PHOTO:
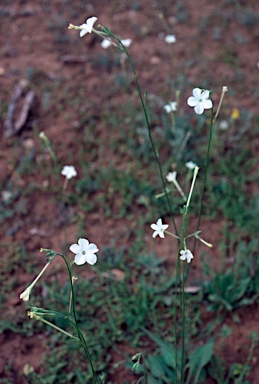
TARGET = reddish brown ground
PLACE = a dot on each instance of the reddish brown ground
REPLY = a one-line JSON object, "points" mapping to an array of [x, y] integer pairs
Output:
{"points": [[34, 39]]}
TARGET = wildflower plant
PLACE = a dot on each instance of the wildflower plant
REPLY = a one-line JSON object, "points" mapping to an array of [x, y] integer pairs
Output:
{"points": [[200, 101], [85, 252]]}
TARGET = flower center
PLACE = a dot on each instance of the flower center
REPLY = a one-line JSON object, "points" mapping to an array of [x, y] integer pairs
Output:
{"points": [[83, 252]]}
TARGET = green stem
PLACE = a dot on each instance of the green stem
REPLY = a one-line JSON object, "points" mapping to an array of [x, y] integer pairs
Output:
{"points": [[177, 270], [183, 326], [80, 335], [148, 127], [54, 326], [205, 177]]}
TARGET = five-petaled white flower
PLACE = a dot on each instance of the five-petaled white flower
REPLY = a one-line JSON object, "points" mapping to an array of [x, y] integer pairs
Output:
{"points": [[190, 165], [170, 39], [84, 252], [200, 100], [159, 228], [69, 171], [106, 43], [126, 42], [186, 255], [171, 177], [171, 107], [88, 26]]}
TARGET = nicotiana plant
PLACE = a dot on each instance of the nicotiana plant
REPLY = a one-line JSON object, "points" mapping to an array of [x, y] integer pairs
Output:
{"points": [[85, 252]]}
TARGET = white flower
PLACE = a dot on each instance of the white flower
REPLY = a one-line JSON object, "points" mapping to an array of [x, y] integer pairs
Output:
{"points": [[106, 43], [126, 42], [172, 106], [69, 171], [171, 177], [6, 195], [200, 100], [224, 89], [186, 255], [223, 125], [26, 294], [87, 28], [84, 252], [159, 228], [170, 39], [190, 165]]}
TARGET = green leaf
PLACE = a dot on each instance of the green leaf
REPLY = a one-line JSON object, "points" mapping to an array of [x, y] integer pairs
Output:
{"points": [[168, 350], [198, 359], [156, 365], [218, 299], [152, 380], [242, 287]]}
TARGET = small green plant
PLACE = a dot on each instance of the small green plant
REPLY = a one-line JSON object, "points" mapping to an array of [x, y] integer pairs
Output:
{"points": [[228, 292], [163, 369]]}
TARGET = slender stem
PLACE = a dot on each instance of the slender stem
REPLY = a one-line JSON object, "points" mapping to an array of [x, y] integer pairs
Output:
{"points": [[196, 170], [224, 90], [177, 270], [80, 335], [183, 294], [205, 177], [164, 189], [184, 274], [171, 234], [162, 179], [183, 325], [54, 326], [173, 122], [40, 274], [148, 127]]}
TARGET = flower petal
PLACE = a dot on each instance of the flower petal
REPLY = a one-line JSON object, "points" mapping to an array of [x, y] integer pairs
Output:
{"points": [[90, 22], [199, 108], [196, 93], [75, 248], [83, 244], [126, 42], [83, 32], [205, 95], [80, 259], [92, 248], [91, 258], [207, 104], [106, 43], [192, 101]]}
